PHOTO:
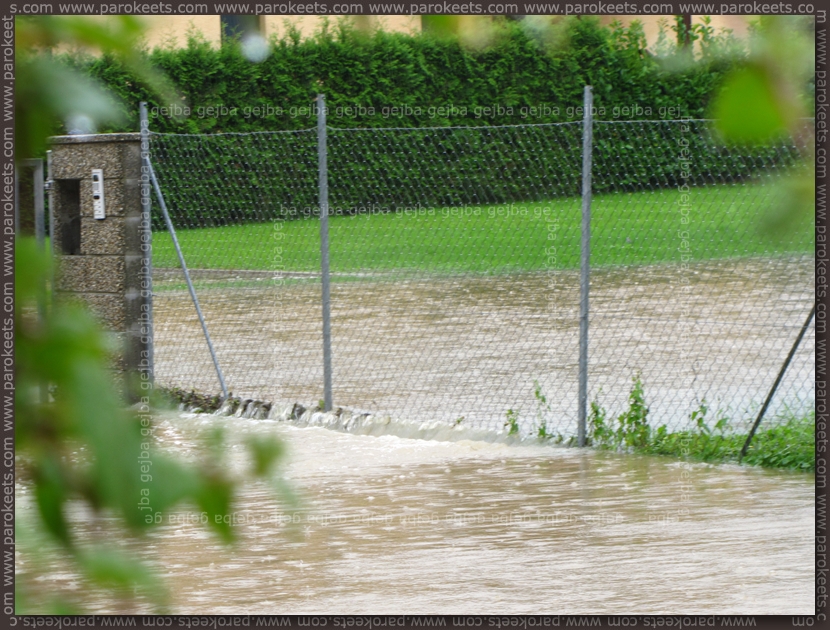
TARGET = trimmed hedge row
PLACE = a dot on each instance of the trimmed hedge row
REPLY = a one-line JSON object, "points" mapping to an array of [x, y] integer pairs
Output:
{"points": [[399, 80]]}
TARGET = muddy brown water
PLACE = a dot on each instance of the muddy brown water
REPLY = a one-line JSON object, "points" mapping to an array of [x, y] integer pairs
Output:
{"points": [[428, 348], [394, 525]]}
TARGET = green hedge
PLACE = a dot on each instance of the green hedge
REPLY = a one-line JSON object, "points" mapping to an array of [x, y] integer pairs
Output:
{"points": [[364, 76]]}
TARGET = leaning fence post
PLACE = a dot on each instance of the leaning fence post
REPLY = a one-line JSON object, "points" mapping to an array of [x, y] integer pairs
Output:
{"points": [[777, 382], [147, 168], [323, 181], [585, 263], [188, 281]]}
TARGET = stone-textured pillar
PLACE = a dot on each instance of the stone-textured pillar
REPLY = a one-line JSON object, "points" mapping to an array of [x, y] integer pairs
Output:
{"points": [[100, 260]]}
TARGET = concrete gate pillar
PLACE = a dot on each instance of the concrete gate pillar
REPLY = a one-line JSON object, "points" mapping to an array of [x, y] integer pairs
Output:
{"points": [[101, 240]]}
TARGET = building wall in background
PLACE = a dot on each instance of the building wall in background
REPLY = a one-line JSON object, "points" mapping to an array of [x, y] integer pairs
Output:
{"points": [[739, 24], [173, 29]]}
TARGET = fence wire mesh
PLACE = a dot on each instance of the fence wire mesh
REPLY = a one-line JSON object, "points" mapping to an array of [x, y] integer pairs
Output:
{"points": [[454, 268]]}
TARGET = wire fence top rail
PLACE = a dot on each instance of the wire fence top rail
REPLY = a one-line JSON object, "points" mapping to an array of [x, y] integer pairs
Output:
{"points": [[469, 127], [235, 133]]}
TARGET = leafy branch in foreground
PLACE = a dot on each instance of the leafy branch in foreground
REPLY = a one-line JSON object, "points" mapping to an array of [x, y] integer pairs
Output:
{"points": [[79, 448], [51, 94]]}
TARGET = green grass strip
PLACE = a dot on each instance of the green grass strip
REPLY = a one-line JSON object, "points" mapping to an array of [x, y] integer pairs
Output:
{"points": [[659, 226], [787, 441], [790, 445]]}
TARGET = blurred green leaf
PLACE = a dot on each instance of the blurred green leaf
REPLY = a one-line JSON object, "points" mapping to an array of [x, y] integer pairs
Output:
{"points": [[795, 208], [168, 483], [34, 268], [474, 31], [112, 569], [264, 451], [50, 495], [50, 94], [215, 498], [766, 99], [215, 441], [442, 25], [80, 443], [746, 108]]}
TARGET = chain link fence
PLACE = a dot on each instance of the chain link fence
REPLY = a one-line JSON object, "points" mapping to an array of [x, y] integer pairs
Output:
{"points": [[454, 258]]}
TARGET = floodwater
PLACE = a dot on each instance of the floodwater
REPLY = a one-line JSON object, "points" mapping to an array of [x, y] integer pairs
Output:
{"points": [[427, 348], [393, 525]]}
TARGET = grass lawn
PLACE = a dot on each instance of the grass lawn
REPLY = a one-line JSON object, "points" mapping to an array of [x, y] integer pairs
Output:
{"points": [[627, 228]]}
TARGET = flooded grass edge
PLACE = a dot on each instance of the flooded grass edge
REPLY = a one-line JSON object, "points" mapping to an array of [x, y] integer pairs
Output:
{"points": [[789, 444]]}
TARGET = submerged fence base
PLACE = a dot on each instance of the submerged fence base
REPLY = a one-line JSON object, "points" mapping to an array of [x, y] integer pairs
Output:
{"points": [[348, 421], [791, 446]]}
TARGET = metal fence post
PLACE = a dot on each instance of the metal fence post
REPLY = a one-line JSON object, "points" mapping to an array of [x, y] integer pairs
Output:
{"points": [[40, 207], [585, 263], [48, 188], [323, 181], [147, 232], [40, 239]]}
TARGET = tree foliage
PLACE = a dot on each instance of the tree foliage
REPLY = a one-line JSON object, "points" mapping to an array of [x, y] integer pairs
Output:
{"points": [[78, 447]]}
